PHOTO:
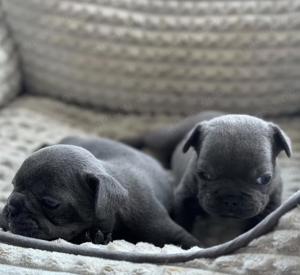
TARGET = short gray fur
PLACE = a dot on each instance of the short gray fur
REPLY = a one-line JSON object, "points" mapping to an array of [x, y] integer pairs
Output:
{"points": [[236, 150], [105, 190]]}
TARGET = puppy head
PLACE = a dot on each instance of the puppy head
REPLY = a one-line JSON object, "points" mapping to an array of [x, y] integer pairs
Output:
{"points": [[235, 167], [56, 191]]}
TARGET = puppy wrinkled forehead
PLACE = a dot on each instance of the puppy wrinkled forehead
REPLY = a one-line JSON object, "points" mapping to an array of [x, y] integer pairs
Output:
{"points": [[40, 175], [59, 155], [240, 133], [52, 164], [239, 141], [63, 152], [239, 124]]}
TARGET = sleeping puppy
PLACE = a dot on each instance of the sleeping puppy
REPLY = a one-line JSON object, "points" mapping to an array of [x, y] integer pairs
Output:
{"points": [[93, 190], [226, 170]]}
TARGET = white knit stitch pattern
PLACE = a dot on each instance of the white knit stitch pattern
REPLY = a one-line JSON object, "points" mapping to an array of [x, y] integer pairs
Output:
{"points": [[9, 70], [162, 56], [32, 121]]}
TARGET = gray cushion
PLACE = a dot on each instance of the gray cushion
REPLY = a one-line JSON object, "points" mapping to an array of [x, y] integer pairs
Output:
{"points": [[162, 56], [275, 253], [9, 69]]}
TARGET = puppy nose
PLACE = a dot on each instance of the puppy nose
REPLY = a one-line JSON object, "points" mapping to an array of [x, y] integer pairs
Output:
{"points": [[231, 201], [15, 204]]}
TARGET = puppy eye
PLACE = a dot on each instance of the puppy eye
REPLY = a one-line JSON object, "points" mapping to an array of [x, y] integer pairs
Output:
{"points": [[264, 179], [50, 203], [205, 176]]}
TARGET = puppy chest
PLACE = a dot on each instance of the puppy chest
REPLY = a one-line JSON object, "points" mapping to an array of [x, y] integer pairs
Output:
{"points": [[212, 230]]}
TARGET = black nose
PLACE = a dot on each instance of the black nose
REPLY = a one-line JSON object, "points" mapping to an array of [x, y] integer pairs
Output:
{"points": [[231, 202], [15, 204]]}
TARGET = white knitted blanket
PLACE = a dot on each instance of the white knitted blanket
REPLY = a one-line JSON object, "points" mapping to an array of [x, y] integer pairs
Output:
{"points": [[9, 69], [162, 56], [30, 121]]}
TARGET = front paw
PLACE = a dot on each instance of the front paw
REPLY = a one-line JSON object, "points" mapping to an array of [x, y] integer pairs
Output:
{"points": [[97, 237], [108, 238], [3, 219]]}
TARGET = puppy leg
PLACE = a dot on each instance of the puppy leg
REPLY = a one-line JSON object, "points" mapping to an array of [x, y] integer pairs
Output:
{"points": [[157, 227], [165, 231], [185, 212], [102, 234], [186, 206]]}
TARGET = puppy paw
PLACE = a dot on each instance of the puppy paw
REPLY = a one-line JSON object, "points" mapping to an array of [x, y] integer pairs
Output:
{"points": [[98, 238], [108, 238], [87, 237]]}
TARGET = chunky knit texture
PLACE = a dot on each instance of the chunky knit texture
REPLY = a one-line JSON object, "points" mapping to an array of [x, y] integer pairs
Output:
{"points": [[9, 70], [32, 121], [162, 56]]}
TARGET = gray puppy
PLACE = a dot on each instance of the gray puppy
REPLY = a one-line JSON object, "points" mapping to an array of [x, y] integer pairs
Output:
{"points": [[93, 190], [226, 169]]}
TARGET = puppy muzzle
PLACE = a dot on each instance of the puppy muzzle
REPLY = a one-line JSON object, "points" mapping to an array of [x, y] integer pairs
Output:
{"points": [[18, 217], [238, 205]]}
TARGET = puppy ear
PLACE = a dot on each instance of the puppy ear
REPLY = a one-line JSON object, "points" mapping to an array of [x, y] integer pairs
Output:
{"points": [[109, 194], [194, 139], [281, 140]]}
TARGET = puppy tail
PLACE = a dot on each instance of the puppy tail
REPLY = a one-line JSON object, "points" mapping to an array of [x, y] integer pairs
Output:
{"points": [[43, 145], [163, 142], [160, 143]]}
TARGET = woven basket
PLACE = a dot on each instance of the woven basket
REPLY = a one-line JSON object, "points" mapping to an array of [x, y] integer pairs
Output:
{"points": [[162, 56], [9, 69]]}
